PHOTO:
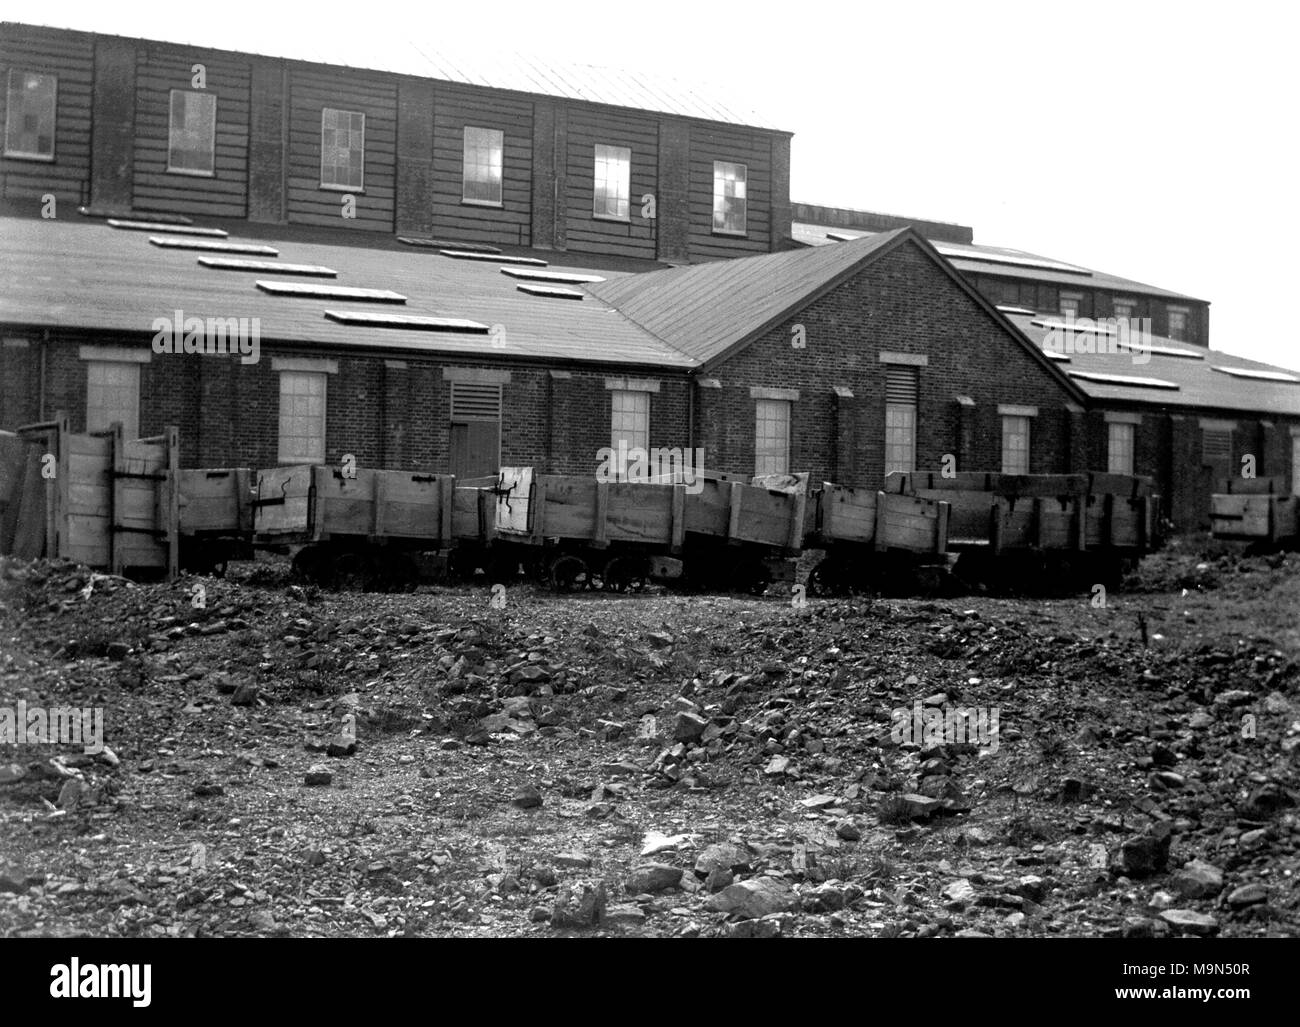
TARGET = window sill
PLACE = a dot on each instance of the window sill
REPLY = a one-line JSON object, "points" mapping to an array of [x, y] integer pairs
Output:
{"points": [[357, 190], [44, 158], [729, 234], [191, 173], [497, 204], [626, 220]]}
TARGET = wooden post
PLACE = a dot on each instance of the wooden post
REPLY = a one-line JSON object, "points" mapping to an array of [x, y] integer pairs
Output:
{"points": [[678, 527], [378, 496], [537, 507], [733, 524], [171, 486], [116, 468], [995, 526], [446, 509], [1107, 521], [600, 529], [56, 530], [941, 529], [796, 528], [1039, 525], [880, 543]]}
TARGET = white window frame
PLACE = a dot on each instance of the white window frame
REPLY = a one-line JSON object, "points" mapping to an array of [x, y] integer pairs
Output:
{"points": [[629, 419], [1186, 330], [612, 181], [1126, 301], [1073, 298], [296, 418], [1014, 427], [209, 99], [900, 437], [329, 156], [100, 413], [11, 108], [1121, 446], [772, 419], [730, 194], [479, 141]]}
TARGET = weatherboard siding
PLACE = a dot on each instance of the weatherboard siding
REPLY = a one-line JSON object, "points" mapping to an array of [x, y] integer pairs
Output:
{"points": [[71, 57], [455, 107], [721, 143], [587, 128], [161, 69], [311, 89]]}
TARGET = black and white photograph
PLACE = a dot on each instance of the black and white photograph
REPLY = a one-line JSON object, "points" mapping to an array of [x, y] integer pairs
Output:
{"points": [[477, 475]]}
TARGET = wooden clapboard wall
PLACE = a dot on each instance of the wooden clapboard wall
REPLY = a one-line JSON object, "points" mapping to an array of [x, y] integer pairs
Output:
{"points": [[313, 88], [711, 143], [587, 127], [70, 56], [160, 69], [454, 107]]}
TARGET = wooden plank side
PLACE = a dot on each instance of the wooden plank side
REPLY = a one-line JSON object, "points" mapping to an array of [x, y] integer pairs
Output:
{"points": [[135, 503], [848, 513], [214, 499], [514, 494], [908, 523], [290, 484], [28, 537]]}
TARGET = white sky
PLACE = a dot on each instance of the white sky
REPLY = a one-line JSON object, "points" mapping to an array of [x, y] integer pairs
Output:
{"points": [[1157, 141]]}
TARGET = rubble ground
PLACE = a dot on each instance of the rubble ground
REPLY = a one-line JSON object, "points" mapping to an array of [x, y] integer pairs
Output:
{"points": [[282, 760]]}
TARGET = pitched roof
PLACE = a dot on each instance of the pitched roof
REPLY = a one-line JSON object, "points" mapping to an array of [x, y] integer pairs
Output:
{"points": [[1001, 260], [478, 65], [706, 309], [1191, 379], [80, 273]]}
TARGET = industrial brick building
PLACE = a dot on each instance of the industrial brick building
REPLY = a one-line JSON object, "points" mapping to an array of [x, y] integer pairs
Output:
{"points": [[530, 276]]}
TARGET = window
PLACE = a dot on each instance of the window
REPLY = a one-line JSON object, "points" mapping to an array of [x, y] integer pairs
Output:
{"points": [[302, 417], [113, 394], [483, 150], [342, 149], [629, 420], [613, 187], [1015, 444], [191, 138], [1119, 458], [729, 197], [1178, 323], [1124, 308], [29, 122], [901, 390], [1069, 304], [772, 436], [1216, 450]]}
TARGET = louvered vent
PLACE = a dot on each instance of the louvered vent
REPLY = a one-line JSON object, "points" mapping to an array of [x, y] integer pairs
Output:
{"points": [[900, 384], [470, 402]]}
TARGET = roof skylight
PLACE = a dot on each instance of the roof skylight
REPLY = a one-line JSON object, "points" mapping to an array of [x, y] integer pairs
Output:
{"points": [[411, 322], [212, 246], [157, 226], [549, 276], [551, 291], [1258, 375], [267, 267], [1130, 381], [310, 290], [495, 257]]}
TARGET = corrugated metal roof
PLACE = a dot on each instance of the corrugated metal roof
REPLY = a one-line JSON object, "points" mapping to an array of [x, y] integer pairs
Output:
{"points": [[705, 309], [81, 274], [486, 65], [1199, 384], [1002, 260]]}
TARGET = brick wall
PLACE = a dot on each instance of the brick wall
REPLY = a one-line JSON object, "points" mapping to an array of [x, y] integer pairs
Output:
{"points": [[902, 303]]}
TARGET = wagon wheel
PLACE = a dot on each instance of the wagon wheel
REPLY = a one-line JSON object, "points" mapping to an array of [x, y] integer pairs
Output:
{"points": [[625, 574], [753, 578], [825, 581], [569, 573]]}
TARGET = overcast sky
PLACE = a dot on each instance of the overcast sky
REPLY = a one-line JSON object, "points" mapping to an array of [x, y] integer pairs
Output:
{"points": [[1152, 140]]}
